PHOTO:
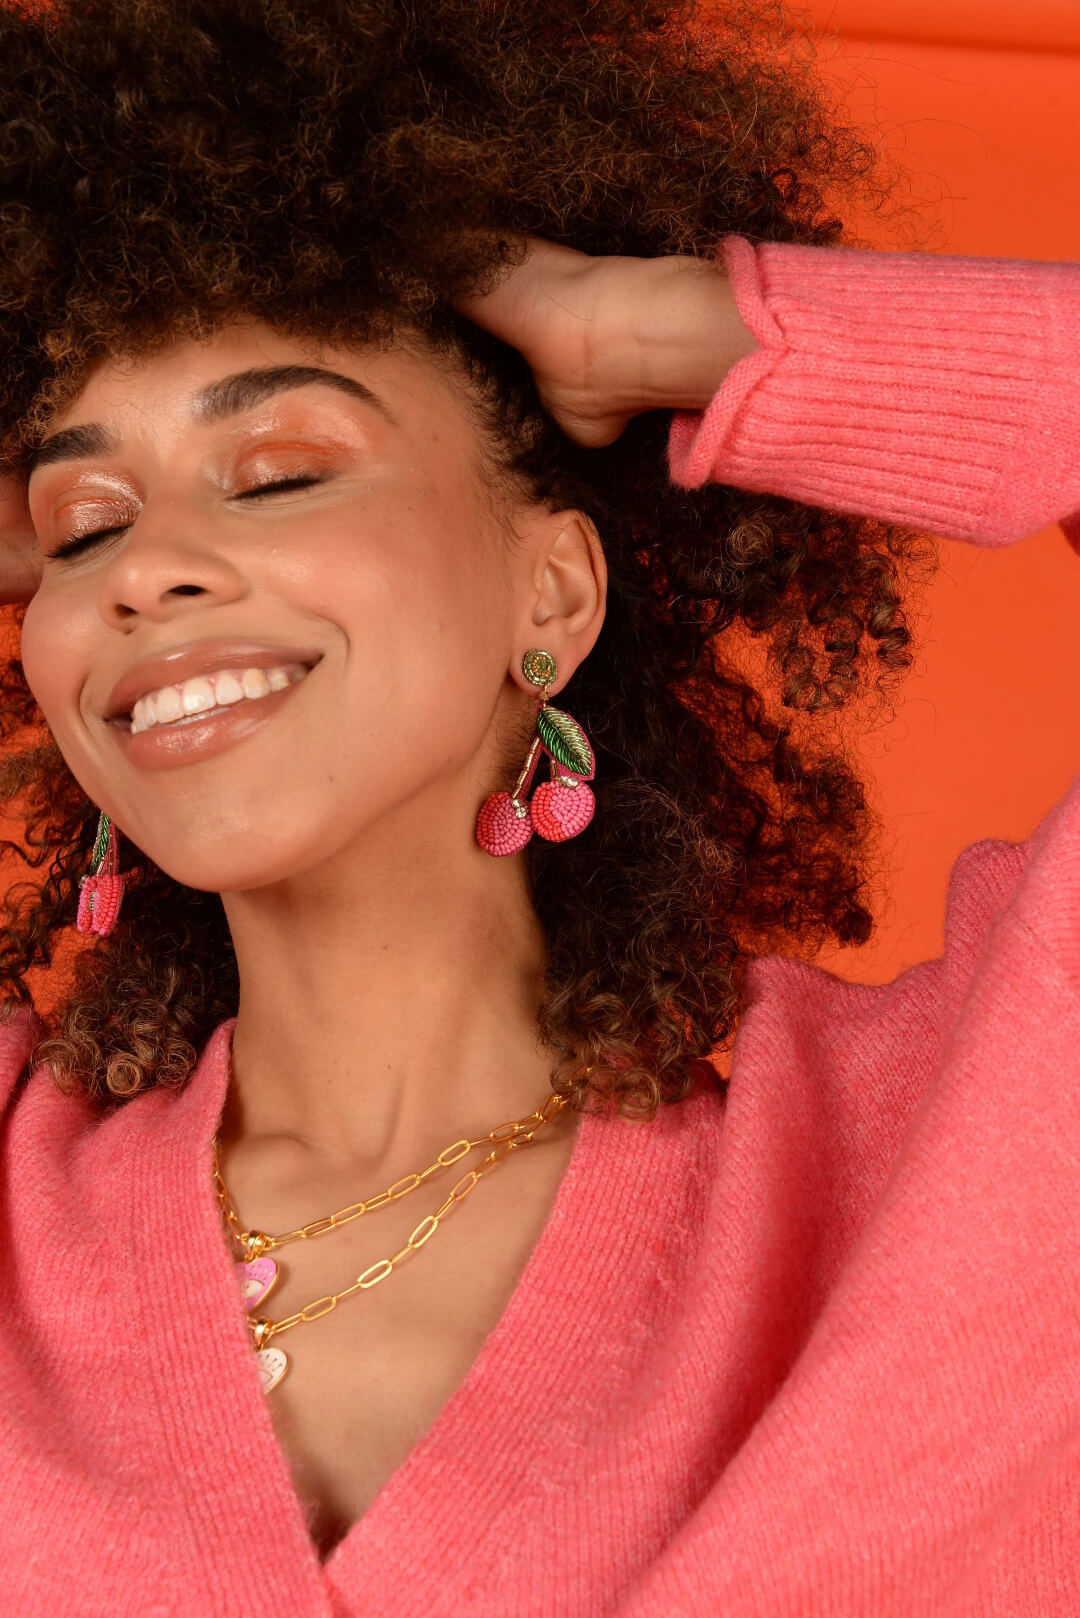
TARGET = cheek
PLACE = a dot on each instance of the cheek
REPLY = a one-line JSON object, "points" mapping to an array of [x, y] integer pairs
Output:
{"points": [[424, 614], [56, 663], [52, 661]]}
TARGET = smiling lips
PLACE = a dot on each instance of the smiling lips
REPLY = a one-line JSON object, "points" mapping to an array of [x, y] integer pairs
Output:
{"points": [[204, 693], [209, 659], [215, 723]]}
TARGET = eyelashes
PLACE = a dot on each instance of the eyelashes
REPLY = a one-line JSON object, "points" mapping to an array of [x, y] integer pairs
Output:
{"points": [[301, 481], [83, 542], [78, 543]]}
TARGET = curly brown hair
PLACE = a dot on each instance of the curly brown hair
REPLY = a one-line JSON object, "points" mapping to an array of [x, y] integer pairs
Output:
{"points": [[164, 167]]}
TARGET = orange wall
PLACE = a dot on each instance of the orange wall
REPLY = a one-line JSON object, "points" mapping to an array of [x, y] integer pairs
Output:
{"points": [[984, 735], [1052, 25]]}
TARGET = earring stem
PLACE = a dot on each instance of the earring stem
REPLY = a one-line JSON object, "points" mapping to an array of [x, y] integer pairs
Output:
{"points": [[527, 768]]}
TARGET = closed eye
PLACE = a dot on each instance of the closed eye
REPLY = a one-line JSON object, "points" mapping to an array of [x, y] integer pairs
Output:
{"points": [[279, 486], [82, 542]]}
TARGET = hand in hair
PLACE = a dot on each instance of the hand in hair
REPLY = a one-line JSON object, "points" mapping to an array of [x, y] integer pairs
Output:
{"points": [[20, 554], [609, 337]]}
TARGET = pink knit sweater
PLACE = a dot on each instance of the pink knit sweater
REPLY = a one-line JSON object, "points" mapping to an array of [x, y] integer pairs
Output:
{"points": [[814, 1350]]}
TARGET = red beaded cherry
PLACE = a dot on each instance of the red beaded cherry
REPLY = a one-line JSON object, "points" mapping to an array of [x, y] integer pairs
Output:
{"points": [[562, 808], [99, 903], [101, 891], [503, 825]]}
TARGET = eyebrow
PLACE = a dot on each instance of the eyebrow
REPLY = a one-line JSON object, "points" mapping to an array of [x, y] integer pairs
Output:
{"points": [[229, 396]]}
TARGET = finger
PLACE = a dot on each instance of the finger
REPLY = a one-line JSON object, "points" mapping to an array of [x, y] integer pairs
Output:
{"points": [[521, 248]]}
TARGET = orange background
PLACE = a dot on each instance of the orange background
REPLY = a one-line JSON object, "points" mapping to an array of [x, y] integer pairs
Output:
{"points": [[977, 100]]}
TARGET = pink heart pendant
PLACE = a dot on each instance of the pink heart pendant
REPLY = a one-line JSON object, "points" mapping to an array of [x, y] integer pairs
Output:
{"points": [[503, 825], [562, 808], [256, 1277]]}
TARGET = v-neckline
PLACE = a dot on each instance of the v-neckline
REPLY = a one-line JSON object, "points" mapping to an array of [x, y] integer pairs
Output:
{"points": [[519, 1353]]}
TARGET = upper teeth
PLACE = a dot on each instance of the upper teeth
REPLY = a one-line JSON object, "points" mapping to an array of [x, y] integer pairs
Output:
{"points": [[205, 691]]}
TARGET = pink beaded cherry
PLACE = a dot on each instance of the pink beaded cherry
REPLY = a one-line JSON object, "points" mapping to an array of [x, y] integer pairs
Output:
{"points": [[561, 807], [100, 892]]}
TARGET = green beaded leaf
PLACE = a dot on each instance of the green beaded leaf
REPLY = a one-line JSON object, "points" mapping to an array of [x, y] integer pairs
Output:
{"points": [[101, 844], [565, 740]]}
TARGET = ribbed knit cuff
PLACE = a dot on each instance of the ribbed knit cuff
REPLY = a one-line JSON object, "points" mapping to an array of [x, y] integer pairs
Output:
{"points": [[937, 391]]}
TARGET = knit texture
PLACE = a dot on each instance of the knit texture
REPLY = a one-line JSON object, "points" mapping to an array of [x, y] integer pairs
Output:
{"points": [[935, 391], [809, 1351]]}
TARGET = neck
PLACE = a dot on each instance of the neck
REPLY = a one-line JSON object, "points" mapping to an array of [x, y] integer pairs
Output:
{"points": [[386, 1007]]}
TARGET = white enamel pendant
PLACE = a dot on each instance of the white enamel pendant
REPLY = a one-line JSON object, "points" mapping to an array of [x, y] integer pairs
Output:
{"points": [[273, 1363]]}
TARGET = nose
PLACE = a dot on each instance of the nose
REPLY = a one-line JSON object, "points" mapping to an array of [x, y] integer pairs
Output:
{"points": [[166, 565]]}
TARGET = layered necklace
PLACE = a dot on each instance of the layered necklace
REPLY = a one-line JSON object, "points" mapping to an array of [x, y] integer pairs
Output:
{"points": [[258, 1272]]}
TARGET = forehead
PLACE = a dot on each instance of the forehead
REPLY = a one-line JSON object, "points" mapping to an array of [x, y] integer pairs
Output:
{"points": [[196, 382]]}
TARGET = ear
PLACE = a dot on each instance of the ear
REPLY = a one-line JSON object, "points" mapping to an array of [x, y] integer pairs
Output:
{"points": [[567, 593]]}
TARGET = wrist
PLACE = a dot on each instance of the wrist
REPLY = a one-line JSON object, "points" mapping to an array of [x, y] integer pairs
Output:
{"points": [[685, 333]]}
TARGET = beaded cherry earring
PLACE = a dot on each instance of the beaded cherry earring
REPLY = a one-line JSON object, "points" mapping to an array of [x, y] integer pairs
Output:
{"points": [[100, 892], [561, 807]]}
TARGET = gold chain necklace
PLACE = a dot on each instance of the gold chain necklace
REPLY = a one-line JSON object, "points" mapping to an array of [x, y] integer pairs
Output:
{"points": [[258, 1273]]}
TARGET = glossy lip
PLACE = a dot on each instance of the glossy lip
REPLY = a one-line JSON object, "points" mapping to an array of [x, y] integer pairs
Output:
{"points": [[199, 657], [200, 736]]}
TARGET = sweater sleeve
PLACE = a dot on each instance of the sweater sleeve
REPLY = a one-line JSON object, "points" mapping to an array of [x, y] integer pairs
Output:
{"points": [[943, 393], [938, 392]]}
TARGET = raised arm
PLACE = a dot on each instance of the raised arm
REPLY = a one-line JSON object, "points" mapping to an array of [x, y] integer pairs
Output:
{"points": [[941, 392]]}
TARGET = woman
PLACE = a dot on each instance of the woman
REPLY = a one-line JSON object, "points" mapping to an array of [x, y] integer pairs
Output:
{"points": [[409, 413]]}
